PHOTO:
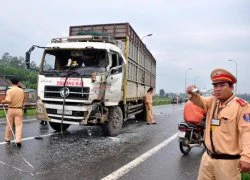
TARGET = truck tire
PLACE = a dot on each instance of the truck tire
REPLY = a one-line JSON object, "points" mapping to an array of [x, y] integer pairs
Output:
{"points": [[57, 126], [114, 125]]}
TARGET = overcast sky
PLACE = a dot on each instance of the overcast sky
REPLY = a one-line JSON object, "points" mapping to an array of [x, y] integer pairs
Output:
{"points": [[197, 34]]}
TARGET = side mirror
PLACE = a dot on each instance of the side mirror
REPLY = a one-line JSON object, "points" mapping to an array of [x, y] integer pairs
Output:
{"points": [[27, 56]]}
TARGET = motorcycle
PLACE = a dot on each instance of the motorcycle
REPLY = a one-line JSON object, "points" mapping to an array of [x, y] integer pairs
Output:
{"points": [[190, 135]]}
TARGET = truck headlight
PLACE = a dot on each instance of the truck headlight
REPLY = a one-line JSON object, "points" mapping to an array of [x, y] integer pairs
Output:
{"points": [[93, 77]]}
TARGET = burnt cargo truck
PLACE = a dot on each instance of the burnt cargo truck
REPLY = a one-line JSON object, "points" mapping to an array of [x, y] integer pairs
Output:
{"points": [[96, 76]]}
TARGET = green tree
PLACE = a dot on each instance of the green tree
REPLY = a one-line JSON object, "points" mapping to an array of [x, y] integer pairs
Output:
{"points": [[162, 93], [15, 66]]}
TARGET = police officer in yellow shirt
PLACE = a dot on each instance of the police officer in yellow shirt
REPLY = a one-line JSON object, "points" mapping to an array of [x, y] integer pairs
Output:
{"points": [[15, 99], [227, 134], [148, 99]]}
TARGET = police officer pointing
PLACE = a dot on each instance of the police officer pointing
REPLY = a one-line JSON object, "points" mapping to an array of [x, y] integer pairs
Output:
{"points": [[15, 99], [227, 134]]}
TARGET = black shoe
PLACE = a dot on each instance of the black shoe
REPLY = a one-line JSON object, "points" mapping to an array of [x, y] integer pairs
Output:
{"points": [[154, 123], [148, 124], [19, 145], [7, 142]]}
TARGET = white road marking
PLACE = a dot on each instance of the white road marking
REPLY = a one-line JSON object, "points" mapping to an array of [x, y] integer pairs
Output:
{"points": [[16, 168], [126, 168], [29, 138]]}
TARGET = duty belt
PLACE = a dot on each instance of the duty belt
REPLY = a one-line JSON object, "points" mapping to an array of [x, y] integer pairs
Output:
{"points": [[222, 156]]}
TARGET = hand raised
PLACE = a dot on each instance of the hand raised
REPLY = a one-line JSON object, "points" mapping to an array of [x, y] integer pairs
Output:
{"points": [[190, 89]]}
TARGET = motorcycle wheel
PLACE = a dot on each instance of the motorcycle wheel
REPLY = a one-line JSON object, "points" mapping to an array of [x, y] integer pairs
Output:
{"points": [[184, 148]]}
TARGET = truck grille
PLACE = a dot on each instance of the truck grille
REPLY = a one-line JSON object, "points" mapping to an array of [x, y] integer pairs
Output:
{"points": [[78, 93]]}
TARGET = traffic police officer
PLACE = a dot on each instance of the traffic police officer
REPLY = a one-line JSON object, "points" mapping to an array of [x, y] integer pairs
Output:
{"points": [[227, 134], [15, 99], [149, 106]]}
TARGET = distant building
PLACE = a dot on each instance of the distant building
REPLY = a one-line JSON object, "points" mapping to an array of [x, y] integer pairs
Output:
{"points": [[30, 94], [4, 83]]}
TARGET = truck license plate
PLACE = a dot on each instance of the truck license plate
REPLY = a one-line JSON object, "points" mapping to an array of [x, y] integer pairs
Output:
{"points": [[66, 112], [181, 134]]}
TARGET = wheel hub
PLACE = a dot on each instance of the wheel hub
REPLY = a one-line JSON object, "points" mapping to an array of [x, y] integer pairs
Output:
{"points": [[116, 121]]}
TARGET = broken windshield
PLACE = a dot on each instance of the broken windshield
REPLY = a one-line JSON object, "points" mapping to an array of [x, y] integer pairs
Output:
{"points": [[82, 61]]}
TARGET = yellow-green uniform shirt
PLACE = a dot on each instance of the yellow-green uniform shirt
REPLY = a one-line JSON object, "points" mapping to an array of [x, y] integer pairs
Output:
{"points": [[15, 97], [232, 136], [148, 99]]}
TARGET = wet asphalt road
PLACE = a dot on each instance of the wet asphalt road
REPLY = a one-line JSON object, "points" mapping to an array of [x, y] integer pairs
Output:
{"points": [[84, 153]]}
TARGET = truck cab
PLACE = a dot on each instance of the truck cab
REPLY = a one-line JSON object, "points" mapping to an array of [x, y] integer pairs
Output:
{"points": [[96, 76], [79, 78]]}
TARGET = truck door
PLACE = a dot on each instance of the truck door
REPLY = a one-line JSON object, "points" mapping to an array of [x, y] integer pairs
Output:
{"points": [[114, 90]]}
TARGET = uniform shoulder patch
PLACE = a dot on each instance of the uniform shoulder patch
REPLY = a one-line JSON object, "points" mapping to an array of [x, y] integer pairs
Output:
{"points": [[246, 117], [242, 102]]}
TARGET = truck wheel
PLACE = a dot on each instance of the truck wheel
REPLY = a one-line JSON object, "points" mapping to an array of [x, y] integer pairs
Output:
{"points": [[114, 125], [57, 126]]}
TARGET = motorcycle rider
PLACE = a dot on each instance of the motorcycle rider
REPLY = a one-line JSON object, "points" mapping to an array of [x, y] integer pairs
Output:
{"points": [[194, 114]]}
